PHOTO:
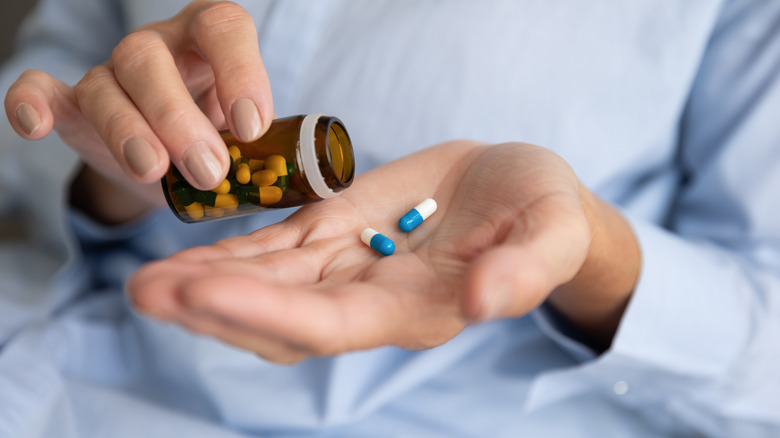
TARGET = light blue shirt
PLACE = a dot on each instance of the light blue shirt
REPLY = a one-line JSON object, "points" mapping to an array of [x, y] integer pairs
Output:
{"points": [[668, 109]]}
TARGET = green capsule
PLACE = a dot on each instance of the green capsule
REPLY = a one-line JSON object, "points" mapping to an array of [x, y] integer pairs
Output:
{"points": [[290, 169], [176, 173], [259, 195], [233, 184], [205, 197], [248, 195], [283, 182], [182, 190]]}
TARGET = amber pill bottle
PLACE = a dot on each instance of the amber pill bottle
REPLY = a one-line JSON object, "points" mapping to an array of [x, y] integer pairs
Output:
{"points": [[299, 160]]}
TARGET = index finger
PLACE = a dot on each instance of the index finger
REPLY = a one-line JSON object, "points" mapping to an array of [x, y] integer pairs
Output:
{"points": [[226, 36], [162, 65]]}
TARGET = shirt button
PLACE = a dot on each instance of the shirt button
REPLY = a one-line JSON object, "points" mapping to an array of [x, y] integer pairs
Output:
{"points": [[620, 387]]}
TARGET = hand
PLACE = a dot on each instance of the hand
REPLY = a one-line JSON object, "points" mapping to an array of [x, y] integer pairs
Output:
{"points": [[513, 225], [161, 97]]}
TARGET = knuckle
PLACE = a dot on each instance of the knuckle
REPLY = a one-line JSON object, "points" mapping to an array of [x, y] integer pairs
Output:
{"points": [[29, 81], [135, 48], [33, 76], [93, 81], [240, 70], [118, 123], [223, 15], [169, 115]]}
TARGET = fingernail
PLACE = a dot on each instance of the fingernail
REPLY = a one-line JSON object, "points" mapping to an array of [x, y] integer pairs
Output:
{"points": [[203, 165], [29, 119], [246, 119], [140, 155], [496, 300]]}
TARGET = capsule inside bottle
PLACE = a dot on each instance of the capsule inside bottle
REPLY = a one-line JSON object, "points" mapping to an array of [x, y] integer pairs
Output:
{"points": [[299, 160]]}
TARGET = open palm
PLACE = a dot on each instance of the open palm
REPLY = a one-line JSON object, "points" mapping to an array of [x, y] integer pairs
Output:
{"points": [[509, 229]]}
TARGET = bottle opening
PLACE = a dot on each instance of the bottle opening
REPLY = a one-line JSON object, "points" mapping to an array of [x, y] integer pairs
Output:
{"points": [[340, 153]]}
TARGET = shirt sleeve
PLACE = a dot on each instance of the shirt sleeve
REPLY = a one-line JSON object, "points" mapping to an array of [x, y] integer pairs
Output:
{"points": [[63, 38], [698, 347]]}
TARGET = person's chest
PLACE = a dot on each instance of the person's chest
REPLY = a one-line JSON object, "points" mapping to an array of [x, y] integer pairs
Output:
{"points": [[601, 83]]}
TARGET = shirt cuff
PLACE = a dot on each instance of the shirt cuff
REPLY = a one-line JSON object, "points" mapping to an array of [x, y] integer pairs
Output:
{"points": [[89, 231], [686, 323]]}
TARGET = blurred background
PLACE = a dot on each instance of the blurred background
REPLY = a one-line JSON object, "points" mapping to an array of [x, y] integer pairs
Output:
{"points": [[13, 11]]}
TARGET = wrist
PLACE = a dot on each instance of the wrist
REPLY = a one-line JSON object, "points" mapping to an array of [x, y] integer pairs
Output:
{"points": [[104, 200], [595, 299]]}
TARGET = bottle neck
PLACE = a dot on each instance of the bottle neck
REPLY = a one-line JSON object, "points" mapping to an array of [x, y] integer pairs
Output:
{"points": [[325, 153]]}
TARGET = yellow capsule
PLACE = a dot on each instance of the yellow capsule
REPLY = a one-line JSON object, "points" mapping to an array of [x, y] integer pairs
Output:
{"points": [[213, 211], [227, 202], [195, 210], [243, 175], [255, 165], [270, 195], [276, 163], [234, 152], [223, 188], [264, 177]]}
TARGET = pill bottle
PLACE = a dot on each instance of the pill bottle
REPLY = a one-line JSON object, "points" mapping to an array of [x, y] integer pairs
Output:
{"points": [[299, 160]]}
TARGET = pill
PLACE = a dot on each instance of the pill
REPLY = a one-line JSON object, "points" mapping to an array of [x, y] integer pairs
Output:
{"points": [[235, 152], [176, 173], [283, 182], [264, 177], [213, 211], [259, 195], [270, 195], [255, 165], [195, 210], [243, 174], [290, 169], [378, 242], [276, 163], [205, 197], [223, 187], [417, 215], [227, 202], [182, 190]]}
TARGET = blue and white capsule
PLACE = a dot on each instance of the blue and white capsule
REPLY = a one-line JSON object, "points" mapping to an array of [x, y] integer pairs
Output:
{"points": [[378, 242], [417, 215]]}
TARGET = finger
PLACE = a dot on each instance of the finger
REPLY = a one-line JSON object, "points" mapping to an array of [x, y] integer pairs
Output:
{"points": [[160, 289], [266, 347], [517, 275], [155, 288], [123, 129], [334, 317], [190, 139], [309, 319], [286, 267], [226, 36], [36, 101], [268, 239], [209, 104], [154, 291]]}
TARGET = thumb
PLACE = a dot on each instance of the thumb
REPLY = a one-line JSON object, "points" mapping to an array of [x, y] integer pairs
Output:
{"points": [[542, 250], [36, 101]]}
